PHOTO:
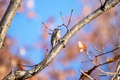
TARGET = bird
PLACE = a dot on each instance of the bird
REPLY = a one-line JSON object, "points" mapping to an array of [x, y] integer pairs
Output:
{"points": [[55, 36]]}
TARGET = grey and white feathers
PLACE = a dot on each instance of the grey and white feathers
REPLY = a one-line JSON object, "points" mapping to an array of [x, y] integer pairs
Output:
{"points": [[55, 36]]}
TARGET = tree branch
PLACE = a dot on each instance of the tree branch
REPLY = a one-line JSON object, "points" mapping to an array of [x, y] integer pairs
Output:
{"points": [[24, 74], [7, 19], [117, 76], [86, 75]]}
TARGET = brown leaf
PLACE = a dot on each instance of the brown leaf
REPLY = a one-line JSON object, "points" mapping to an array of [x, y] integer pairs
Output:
{"points": [[115, 58]]}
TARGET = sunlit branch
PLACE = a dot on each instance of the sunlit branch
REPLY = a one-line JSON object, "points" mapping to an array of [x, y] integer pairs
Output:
{"points": [[115, 58], [103, 46], [68, 21], [103, 53], [97, 49], [107, 52], [46, 55], [70, 18], [95, 57], [99, 64], [46, 26], [116, 76], [85, 61], [7, 19], [26, 65], [86, 74], [118, 42], [62, 17]]}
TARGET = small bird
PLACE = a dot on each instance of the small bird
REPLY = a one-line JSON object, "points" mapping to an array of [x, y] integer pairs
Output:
{"points": [[55, 36]]}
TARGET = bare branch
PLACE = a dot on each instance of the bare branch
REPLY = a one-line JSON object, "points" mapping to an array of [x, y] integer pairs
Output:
{"points": [[7, 19], [85, 61], [98, 65], [105, 2], [25, 74], [118, 44], [101, 2], [97, 49], [26, 65], [68, 22], [103, 49], [70, 18], [86, 74], [46, 55], [117, 76], [102, 6], [115, 58], [107, 52], [103, 46], [62, 17], [47, 27]]}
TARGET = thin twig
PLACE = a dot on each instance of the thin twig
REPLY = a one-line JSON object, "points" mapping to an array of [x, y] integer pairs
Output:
{"points": [[26, 65], [103, 6], [95, 64], [85, 61], [62, 20], [68, 22], [70, 18], [7, 19], [86, 75], [97, 49], [107, 52], [100, 2], [103, 46], [105, 2], [62, 17], [88, 72], [92, 53], [118, 44], [95, 57], [47, 27], [46, 55], [116, 76]]}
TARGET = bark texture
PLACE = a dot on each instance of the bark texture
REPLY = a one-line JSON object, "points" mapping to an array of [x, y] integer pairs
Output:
{"points": [[7, 19]]}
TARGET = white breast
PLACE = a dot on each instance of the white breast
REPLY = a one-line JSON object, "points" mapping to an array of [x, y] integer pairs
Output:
{"points": [[58, 34]]}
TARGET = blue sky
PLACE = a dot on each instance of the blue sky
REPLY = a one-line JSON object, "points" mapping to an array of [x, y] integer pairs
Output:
{"points": [[27, 31]]}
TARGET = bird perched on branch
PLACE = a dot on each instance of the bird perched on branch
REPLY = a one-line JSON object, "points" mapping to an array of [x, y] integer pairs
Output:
{"points": [[55, 36]]}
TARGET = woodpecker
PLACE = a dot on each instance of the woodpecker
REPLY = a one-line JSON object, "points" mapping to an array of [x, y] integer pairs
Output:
{"points": [[55, 36]]}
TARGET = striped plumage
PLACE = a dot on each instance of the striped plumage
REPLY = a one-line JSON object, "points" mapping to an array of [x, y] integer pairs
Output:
{"points": [[55, 36]]}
